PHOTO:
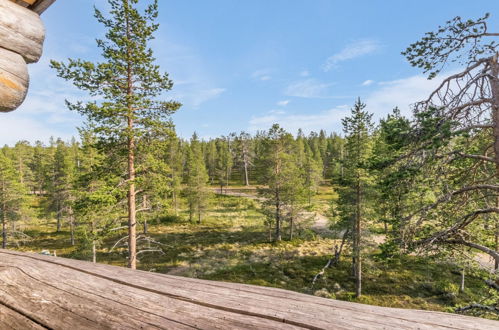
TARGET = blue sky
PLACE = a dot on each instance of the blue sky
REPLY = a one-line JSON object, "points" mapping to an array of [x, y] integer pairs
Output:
{"points": [[245, 64]]}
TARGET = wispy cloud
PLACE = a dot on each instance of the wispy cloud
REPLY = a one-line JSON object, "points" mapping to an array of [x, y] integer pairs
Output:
{"points": [[283, 103], [368, 82], [309, 88], [350, 52], [305, 73], [205, 95], [400, 93], [329, 119], [262, 75]]}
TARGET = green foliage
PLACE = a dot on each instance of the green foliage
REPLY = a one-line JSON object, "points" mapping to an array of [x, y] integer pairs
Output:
{"points": [[196, 190], [445, 45]]}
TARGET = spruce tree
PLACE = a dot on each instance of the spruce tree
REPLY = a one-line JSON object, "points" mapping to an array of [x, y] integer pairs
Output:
{"points": [[129, 85]]}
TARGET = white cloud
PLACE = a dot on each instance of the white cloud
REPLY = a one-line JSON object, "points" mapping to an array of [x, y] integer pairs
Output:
{"points": [[262, 75], [400, 93], [350, 52], [305, 73], [16, 127], [283, 103], [329, 119], [310, 88], [368, 82]]}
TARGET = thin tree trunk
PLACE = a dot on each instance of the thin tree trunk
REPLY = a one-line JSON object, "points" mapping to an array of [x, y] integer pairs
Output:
{"points": [[461, 287], [291, 228], [175, 203], [94, 243], [246, 178], [277, 218], [72, 229], [59, 212], [132, 222], [358, 261], [94, 252]]}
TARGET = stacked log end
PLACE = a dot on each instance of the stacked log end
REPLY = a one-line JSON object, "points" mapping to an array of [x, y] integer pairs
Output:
{"points": [[21, 42]]}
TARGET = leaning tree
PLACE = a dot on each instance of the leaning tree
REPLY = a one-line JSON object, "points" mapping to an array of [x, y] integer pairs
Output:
{"points": [[456, 140]]}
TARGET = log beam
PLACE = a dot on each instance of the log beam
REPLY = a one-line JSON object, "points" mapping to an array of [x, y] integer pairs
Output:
{"points": [[21, 31], [14, 80]]}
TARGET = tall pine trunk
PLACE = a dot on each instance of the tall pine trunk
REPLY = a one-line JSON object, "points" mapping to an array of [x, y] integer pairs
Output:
{"points": [[132, 222], [357, 241]]}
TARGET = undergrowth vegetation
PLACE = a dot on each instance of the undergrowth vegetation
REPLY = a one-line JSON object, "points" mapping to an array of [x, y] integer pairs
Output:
{"points": [[232, 245]]}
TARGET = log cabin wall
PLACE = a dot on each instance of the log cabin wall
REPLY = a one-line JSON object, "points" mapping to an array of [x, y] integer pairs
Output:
{"points": [[21, 42]]}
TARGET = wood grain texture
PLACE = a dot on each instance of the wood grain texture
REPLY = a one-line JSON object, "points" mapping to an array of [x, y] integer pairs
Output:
{"points": [[61, 293], [14, 80], [21, 31]]}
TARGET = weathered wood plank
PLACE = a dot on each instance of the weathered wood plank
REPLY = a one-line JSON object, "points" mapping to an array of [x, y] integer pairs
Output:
{"points": [[21, 31], [14, 80], [10, 319], [108, 295]]}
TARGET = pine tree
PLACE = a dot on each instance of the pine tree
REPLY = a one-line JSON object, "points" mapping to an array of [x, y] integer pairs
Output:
{"points": [[245, 154], [312, 173], [281, 177], [357, 128], [129, 83], [224, 161], [197, 178], [62, 188], [96, 206]]}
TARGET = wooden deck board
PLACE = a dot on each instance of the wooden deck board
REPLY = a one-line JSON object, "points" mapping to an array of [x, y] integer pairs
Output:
{"points": [[61, 293]]}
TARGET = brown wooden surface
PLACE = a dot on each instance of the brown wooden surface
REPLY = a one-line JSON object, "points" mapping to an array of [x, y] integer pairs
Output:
{"points": [[41, 5], [46, 292]]}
